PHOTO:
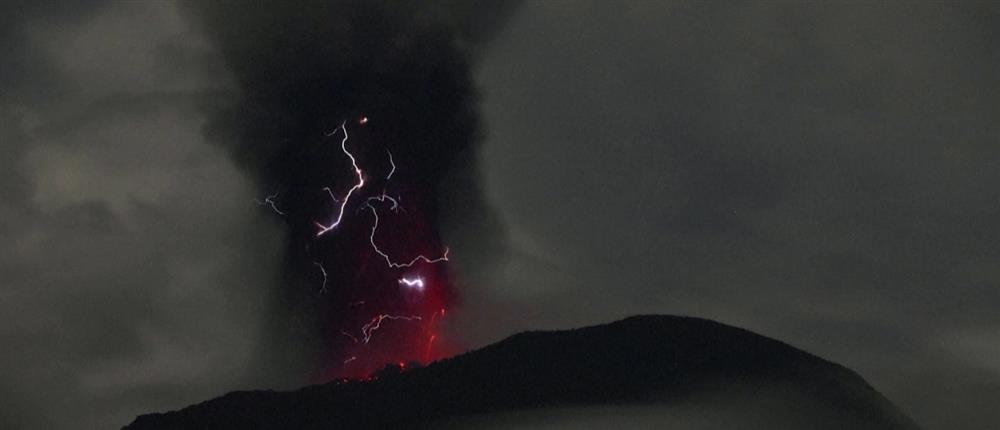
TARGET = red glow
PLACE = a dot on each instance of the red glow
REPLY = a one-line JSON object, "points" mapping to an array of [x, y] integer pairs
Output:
{"points": [[430, 343], [394, 243]]}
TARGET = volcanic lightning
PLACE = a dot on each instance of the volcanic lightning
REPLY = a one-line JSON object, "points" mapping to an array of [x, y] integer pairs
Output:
{"points": [[323, 271], [361, 182], [269, 201], [388, 260], [417, 283], [391, 163], [376, 322], [351, 336], [371, 202], [395, 203]]}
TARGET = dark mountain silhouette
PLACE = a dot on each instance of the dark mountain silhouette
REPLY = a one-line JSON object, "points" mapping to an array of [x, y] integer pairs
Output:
{"points": [[656, 362]]}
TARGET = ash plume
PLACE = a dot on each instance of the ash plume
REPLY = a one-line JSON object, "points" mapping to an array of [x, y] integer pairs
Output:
{"points": [[404, 70]]}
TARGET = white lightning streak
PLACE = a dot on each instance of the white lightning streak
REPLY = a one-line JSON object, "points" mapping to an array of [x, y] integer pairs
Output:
{"points": [[382, 198], [330, 192], [361, 182], [376, 322], [393, 164], [388, 260], [269, 201], [323, 270], [416, 282]]}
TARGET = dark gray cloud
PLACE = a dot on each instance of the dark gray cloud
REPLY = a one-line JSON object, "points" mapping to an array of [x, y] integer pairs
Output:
{"points": [[133, 255], [825, 174]]}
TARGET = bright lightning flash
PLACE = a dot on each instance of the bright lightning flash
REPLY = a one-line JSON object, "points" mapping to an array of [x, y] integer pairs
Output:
{"points": [[410, 282], [417, 283], [361, 182]]}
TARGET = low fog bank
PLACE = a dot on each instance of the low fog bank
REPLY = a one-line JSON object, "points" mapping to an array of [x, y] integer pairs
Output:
{"points": [[779, 406]]}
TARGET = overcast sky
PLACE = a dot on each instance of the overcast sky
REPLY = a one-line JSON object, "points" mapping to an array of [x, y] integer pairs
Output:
{"points": [[824, 175]]}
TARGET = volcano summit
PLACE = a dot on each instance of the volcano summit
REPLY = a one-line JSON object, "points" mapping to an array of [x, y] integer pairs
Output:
{"points": [[640, 372]]}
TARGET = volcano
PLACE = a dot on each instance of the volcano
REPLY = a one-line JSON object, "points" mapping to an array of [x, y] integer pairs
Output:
{"points": [[640, 372]]}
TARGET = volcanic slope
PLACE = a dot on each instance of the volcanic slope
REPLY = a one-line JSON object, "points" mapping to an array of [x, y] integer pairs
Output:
{"points": [[640, 372]]}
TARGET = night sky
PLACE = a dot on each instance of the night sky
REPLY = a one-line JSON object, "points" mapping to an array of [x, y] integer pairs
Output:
{"points": [[826, 175]]}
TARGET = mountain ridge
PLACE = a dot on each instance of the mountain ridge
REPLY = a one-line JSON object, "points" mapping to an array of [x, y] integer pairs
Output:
{"points": [[639, 360]]}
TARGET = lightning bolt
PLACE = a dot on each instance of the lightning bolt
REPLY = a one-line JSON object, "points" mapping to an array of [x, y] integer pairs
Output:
{"points": [[269, 201], [415, 282], [323, 271], [369, 201], [349, 335], [343, 203], [391, 163], [388, 260], [382, 198], [368, 329]]}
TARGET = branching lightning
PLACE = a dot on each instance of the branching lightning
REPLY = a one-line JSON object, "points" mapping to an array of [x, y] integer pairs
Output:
{"points": [[372, 202], [361, 182], [269, 201], [381, 198], [376, 322], [388, 260]]}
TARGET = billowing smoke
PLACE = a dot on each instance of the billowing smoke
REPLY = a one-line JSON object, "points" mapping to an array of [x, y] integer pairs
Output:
{"points": [[395, 79]]}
